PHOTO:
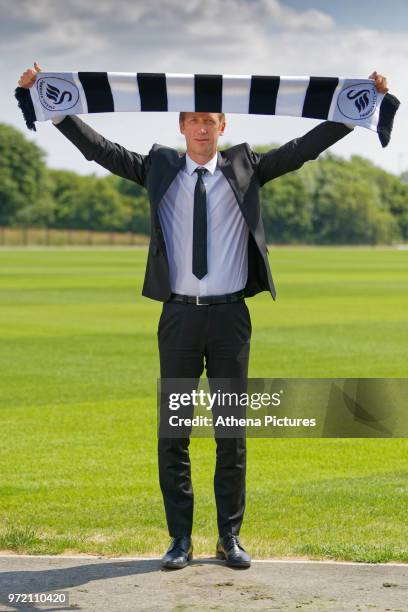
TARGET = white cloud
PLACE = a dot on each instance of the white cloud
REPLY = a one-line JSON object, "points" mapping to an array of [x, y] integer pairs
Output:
{"points": [[289, 19], [78, 28]]}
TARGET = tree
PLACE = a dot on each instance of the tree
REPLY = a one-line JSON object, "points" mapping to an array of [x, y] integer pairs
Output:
{"points": [[135, 204], [327, 201], [349, 206], [24, 191], [286, 210], [86, 202]]}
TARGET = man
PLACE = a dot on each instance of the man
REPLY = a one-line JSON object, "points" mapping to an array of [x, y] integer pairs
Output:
{"points": [[207, 253]]}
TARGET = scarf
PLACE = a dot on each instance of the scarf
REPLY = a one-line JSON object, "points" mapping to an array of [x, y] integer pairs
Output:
{"points": [[344, 100]]}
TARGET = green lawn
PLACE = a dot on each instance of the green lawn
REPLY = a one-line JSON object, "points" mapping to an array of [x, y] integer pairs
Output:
{"points": [[79, 364]]}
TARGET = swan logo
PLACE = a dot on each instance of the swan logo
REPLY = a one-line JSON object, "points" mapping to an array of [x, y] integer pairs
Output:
{"points": [[57, 94], [357, 101]]}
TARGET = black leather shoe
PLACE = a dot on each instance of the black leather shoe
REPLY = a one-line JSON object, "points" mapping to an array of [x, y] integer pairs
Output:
{"points": [[230, 548], [179, 553]]}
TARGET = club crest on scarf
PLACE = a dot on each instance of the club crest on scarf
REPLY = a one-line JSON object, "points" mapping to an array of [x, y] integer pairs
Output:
{"points": [[358, 101], [57, 94]]}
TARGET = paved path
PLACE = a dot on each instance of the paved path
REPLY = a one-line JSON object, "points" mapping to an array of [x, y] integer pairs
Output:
{"points": [[122, 584]]}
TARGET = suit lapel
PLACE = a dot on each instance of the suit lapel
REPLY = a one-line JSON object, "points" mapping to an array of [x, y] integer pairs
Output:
{"points": [[226, 168], [167, 178]]}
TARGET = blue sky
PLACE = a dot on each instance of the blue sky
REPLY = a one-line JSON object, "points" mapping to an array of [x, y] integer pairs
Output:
{"points": [[287, 37]]}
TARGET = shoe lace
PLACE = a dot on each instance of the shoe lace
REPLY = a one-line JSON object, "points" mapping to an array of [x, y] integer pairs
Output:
{"points": [[232, 540]]}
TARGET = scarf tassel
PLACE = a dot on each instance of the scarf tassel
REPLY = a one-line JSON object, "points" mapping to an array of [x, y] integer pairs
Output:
{"points": [[388, 108], [23, 97]]}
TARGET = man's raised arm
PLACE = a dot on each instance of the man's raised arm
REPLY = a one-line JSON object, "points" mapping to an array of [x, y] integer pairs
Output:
{"points": [[292, 155], [94, 146]]}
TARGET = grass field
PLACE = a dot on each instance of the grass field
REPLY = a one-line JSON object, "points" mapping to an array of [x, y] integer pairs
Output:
{"points": [[79, 364]]}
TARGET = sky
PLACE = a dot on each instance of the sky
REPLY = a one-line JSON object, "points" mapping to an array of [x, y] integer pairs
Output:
{"points": [[349, 38]]}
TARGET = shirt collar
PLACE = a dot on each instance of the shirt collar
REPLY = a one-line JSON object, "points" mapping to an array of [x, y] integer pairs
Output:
{"points": [[191, 165]]}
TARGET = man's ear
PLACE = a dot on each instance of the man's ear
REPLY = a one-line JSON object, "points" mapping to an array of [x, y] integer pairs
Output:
{"points": [[222, 128], [181, 126]]}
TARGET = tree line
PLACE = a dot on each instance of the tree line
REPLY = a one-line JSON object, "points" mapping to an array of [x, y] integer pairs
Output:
{"points": [[329, 201]]}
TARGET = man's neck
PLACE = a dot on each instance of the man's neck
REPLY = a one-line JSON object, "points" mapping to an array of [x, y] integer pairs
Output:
{"points": [[201, 159]]}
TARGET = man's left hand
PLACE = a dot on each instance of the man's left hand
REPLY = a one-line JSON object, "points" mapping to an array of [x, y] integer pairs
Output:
{"points": [[380, 82]]}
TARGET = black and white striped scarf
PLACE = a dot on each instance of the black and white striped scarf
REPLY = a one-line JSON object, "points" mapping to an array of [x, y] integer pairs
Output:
{"points": [[351, 101]]}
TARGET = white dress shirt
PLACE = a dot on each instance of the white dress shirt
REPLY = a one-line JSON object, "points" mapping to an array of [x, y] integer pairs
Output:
{"points": [[227, 233]]}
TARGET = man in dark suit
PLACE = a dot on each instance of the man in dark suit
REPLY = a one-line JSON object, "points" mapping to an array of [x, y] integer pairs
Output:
{"points": [[207, 253]]}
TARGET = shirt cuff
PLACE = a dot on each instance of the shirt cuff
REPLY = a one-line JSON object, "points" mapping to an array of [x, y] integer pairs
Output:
{"points": [[350, 126], [57, 120]]}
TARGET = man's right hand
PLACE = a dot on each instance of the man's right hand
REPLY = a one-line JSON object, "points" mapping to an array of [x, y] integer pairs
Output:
{"points": [[28, 77]]}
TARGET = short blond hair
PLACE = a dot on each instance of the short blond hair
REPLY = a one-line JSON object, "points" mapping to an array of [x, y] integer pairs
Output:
{"points": [[182, 116]]}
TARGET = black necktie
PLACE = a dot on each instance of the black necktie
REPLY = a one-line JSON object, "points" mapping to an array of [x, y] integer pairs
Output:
{"points": [[200, 227]]}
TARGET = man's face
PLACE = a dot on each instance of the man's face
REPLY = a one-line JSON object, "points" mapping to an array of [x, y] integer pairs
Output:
{"points": [[201, 131]]}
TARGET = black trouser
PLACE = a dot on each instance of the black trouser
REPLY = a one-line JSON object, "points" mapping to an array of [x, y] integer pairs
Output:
{"points": [[188, 334]]}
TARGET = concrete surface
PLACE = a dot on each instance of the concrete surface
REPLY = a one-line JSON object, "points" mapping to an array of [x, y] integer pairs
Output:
{"points": [[124, 584]]}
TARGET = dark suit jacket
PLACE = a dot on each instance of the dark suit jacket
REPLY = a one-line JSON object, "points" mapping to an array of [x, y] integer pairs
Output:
{"points": [[245, 171]]}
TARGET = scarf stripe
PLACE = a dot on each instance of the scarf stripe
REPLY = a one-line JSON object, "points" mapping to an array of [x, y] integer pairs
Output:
{"points": [[351, 101], [152, 91], [208, 92], [97, 91], [263, 95], [318, 97]]}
